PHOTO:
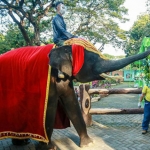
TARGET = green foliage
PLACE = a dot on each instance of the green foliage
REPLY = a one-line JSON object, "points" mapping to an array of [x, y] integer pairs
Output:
{"points": [[12, 39], [4, 47], [140, 29]]}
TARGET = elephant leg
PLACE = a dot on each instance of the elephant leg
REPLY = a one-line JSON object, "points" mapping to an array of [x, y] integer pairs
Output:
{"points": [[50, 117], [73, 111]]}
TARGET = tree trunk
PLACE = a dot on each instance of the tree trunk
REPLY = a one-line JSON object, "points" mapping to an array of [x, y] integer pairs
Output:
{"points": [[25, 35], [37, 35], [22, 28]]}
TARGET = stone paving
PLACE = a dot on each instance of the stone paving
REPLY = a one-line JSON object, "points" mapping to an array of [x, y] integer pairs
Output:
{"points": [[109, 132]]}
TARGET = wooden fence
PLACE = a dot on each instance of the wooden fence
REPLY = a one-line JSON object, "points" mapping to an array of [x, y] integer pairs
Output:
{"points": [[85, 100]]}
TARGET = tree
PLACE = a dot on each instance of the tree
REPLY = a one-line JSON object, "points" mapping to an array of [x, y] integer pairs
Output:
{"points": [[27, 15], [139, 30], [96, 20]]}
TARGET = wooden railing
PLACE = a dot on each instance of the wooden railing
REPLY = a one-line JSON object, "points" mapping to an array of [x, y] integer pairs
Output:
{"points": [[85, 100]]}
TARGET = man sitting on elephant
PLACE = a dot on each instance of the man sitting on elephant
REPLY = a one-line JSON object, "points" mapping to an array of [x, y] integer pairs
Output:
{"points": [[60, 34]]}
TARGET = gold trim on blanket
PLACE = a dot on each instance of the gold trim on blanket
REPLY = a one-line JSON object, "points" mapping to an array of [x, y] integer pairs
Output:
{"points": [[46, 100], [16, 135]]}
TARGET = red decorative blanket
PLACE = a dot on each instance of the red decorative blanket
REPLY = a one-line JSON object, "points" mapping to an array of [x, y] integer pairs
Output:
{"points": [[24, 76], [78, 58]]}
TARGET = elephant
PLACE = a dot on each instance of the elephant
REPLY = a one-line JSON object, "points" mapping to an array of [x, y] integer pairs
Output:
{"points": [[62, 91], [93, 68]]}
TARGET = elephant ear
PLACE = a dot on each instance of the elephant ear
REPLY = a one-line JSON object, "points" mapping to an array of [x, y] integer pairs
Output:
{"points": [[61, 59], [66, 66]]}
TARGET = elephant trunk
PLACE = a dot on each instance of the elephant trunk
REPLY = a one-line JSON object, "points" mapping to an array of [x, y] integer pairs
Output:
{"points": [[112, 65]]}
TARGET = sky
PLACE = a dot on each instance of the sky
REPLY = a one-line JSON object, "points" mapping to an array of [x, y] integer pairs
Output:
{"points": [[135, 8]]}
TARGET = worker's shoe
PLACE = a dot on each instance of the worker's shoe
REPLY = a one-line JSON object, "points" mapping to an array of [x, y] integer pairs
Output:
{"points": [[144, 131], [60, 74]]}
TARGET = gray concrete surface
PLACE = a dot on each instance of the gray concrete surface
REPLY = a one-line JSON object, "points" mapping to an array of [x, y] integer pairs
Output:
{"points": [[109, 132]]}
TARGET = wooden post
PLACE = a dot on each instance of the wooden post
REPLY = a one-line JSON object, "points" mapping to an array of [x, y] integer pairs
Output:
{"points": [[85, 104], [116, 91]]}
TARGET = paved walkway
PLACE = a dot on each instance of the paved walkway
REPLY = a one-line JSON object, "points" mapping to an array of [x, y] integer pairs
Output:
{"points": [[110, 132]]}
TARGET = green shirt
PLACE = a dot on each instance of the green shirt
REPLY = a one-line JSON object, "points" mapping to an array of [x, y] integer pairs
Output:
{"points": [[146, 91]]}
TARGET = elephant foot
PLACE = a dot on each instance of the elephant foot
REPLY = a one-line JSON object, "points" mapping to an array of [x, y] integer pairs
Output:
{"points": [[20, 142], [86, 141], [44, 146]]}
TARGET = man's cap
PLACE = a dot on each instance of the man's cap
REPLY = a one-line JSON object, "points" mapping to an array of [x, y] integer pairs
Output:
{"points": [[57, 3]]}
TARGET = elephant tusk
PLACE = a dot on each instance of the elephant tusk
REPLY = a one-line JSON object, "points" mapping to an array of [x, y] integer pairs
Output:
{"points": [[104, 75]]}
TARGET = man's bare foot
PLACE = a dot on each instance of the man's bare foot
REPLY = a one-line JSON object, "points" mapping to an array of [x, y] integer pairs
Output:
{"points": [[86, 141]]}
